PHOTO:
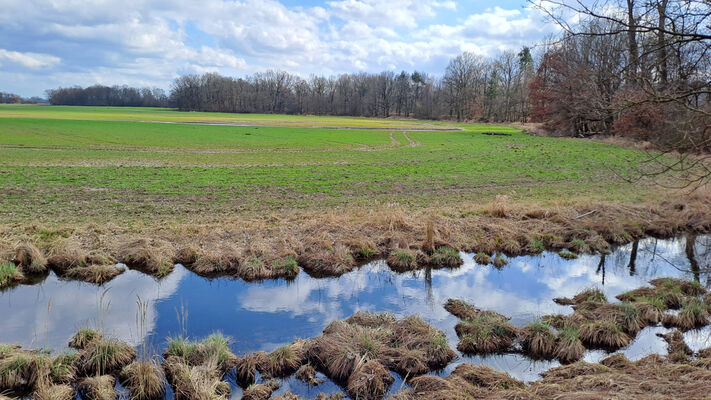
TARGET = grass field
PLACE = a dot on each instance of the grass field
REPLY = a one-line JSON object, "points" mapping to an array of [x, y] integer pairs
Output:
{"points": [[101, 163]]}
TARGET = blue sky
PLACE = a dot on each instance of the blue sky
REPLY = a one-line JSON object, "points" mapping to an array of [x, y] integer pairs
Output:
{"points": [[46, 44]]}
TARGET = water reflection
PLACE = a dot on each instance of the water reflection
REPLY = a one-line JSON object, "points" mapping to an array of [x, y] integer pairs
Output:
{"points": [[262, 316], [49, 313]]}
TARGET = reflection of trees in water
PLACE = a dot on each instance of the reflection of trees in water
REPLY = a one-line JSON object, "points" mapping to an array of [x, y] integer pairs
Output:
{"points": [[633, 257], [690, 254]]}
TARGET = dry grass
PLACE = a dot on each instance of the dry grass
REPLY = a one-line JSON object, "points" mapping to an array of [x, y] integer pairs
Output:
{"points": [[247, 367], [98, 388], [30, 259], [359, 353], [539, 340], [20, 370], [199, 382], [604, 334], [47, 390], [144, 380], [153, 256], [214, 348], [104, 356], [369, 380], [81, 339], [283, 361], [96, 274], [676, 347], [263, 391], [326, 244], [482, 258], [66, 254], [307, 374], [401, 260], [481, 332]]}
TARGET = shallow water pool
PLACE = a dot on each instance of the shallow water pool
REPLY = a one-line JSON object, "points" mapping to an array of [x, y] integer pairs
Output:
{"points": [[263, 316]]}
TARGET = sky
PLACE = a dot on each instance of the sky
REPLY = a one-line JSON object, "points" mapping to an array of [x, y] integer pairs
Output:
{"points": [[52, 43]]}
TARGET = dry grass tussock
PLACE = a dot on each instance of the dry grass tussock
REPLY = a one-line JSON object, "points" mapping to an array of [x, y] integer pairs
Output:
{"points": [[481, 332], [144, 380], [262, 391], [594, 323], [653, 377], [98, 388], [153, 256], [23, 372], [104, 356], [332, 243], [358, 353], [199, 382], [195, 369], [96, 274]]}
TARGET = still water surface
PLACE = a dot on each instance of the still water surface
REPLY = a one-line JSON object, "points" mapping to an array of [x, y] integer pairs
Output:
{"points": [[263, 316]]}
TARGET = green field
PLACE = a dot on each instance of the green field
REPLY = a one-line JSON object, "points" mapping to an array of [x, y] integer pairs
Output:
{"points": [[103, 163]]}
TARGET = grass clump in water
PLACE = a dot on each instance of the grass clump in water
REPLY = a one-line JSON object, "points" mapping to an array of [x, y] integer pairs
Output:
{"points": [[144, 380], [483, 332], [539, 340], [536, 246], [10, 275], [105, 356], [568, 255], [287, 267], [283, 361], [307, 374], [590, 295], [500, 261], [85, 336], [98, 388], [214, 348], [482, 258], [97, 274], [446, 257], [604, 334], [261, 391], [569, 347], [30, 259], [693, 314], [402, 260]]}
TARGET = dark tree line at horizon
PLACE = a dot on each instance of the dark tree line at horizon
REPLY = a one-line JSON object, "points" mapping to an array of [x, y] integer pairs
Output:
{"points": [[12, 98], [99, 95], [472, 88]]}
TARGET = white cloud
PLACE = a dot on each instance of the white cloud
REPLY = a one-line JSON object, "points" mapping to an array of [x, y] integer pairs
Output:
{"points": [[28, 60], [153, 41]]}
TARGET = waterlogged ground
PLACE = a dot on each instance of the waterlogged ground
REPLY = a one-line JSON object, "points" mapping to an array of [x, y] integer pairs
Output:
{"points": [[263, 316]]}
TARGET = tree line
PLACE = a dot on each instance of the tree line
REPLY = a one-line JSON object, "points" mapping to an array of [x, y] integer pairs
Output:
{"points": [[472, 88], [99, 95], [634, 68], [12, 98]]}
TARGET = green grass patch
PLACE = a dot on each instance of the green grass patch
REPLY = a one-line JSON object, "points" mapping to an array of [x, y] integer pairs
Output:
{"points": [[83, 163]]}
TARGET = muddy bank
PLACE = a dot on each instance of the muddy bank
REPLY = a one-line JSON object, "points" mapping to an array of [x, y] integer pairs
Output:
{"points": [[334, 243]]}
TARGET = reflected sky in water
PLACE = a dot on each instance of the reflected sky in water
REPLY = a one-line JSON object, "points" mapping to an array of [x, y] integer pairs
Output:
{"points": [[263, 316]]}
